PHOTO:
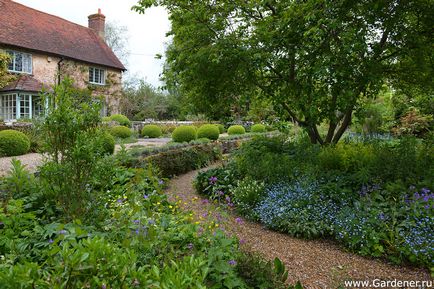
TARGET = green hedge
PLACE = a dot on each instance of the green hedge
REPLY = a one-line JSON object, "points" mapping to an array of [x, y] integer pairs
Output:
{"points": [[258, 128], [183, 160], [236, 129], [152, 131], [121, 119], [184, 133], [221, 128], [209, 131], [120, 131], [107, 143], [13, 143]]}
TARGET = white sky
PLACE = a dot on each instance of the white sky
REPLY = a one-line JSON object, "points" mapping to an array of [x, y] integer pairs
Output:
{"points": [[146, 32]]}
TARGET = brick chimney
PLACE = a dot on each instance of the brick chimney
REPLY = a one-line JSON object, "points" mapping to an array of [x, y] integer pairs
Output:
{"points": [[97, 23]]}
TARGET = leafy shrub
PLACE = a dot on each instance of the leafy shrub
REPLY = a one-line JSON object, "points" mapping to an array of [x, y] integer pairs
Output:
{"points": [[151, 131], [178, 161], [121, 119], [209, 131], [216, 183], [106, 119], [258, 128], [120, 132], [236, 129], [414, 123], [184, 133], [247, 195], [107, 143], [221, 128], [13, 143]]}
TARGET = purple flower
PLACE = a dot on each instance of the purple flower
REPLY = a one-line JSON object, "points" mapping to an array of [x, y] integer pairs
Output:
{"points": [[425, 190], [137, 231], [103, 286], [242, 241], [416, 195], [232, 262], [212, 180], [120, 201], [427, 207], [136, 221], [145, 196], [190, 246], [381, 216], [239, 220], [62, 232], [50, 241], [160, 182], [205, 201], [151, 222], [426, 198], [228, 199], [220, 193]]}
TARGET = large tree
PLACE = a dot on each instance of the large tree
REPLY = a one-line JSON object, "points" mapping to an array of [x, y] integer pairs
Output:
{"points": [[314, 59], [5, 76], [116, 37]]}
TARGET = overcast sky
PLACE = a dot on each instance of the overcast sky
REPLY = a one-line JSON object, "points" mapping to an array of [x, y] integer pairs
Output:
{"points": [[146, 32]]}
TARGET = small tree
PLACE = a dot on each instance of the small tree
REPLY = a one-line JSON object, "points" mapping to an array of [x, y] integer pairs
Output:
{"points": [[73, 145]]}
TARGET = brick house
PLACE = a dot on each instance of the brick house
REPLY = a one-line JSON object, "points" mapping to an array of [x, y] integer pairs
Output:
{"points": [[45, 48]]}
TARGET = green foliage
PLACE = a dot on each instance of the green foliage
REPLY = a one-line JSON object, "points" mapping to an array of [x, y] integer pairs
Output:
{"points": [[184, 133], [413, 123], [236, 129], [13, 143], [209, 131], [178, 161], [121, 119], [258, 128], [290, 53], [120, 131], [373, 196], [5, 76], [221, 128], [107, 143], [152, 131], [106, 119]]}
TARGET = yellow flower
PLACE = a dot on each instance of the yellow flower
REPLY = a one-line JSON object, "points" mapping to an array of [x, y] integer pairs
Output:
{"points": [[197, 223]]}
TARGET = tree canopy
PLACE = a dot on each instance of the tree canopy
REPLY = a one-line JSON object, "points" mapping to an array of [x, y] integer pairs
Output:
{"points": [[314, 59], [5, 76]]}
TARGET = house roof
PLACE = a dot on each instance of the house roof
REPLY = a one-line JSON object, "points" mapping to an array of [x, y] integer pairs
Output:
{"points": [[24, 83], [24, 27]]}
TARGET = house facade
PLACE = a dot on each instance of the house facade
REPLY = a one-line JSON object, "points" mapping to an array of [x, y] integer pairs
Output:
{"points": [[44, 49]]}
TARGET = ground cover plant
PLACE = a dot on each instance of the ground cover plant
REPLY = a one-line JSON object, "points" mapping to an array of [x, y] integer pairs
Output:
{"points": [[375, 197]]}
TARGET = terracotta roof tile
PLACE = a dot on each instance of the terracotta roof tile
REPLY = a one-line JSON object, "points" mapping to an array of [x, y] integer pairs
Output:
{"points": [[24, 83], [25, 27]]}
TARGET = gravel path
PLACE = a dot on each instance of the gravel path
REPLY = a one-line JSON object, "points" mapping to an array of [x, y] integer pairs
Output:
{"points": [[316, 263], [32, 161]]}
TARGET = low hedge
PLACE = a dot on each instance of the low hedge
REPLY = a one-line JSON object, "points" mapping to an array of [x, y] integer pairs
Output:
{"points": [[121, 119], [184, 133], [258, 128], [236, 129], [121, 131], [13, 143], [107, 143], [180, 161], [209, 131], [221, 128], [152, 131]]}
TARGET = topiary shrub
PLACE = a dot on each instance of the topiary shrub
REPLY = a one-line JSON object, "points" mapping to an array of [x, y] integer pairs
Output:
{"points": [[152, 131], [258, 128], [121, 119], [184, 133], [221, 128], [106, 119], [236, 129], [120, 131], [107, 144], [209, 131], [13, 143]]}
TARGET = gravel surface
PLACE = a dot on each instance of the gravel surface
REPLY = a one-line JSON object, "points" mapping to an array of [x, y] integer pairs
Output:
{"points": [[32, 161], [316, 263]]}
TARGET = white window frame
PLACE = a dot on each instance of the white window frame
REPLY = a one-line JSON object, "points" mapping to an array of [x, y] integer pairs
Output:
{"points": [[26, 62], [97, 75]]}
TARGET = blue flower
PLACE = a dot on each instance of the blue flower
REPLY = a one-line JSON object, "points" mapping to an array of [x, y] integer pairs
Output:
{"points": [[232, 262]]}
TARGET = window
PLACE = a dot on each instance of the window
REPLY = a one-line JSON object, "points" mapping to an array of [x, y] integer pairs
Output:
{"points": [[37, 108], [25, 101], [8, 104], [20, 62], [96, 75]]}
